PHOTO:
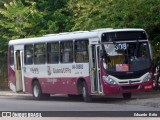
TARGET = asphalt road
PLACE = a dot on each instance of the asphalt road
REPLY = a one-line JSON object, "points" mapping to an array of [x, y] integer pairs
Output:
{"points": [[148, 101]]}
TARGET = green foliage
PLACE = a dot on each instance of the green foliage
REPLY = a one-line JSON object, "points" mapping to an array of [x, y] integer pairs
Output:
{"points": [[56, 15], [92, 14], [28, 18]]}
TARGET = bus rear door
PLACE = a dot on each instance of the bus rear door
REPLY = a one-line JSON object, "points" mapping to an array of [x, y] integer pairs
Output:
{"points": [[94, 56]]}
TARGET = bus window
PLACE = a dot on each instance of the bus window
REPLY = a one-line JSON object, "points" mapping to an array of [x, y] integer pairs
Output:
{"points": [[28, 54], [81, 51], [53, 52], [11, 55], [39, 53], [143, 50], [67, 52]]}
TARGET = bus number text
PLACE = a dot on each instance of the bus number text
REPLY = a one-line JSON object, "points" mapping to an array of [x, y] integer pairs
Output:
{"points": [[34, 70], [77, 66], [121, 46]]}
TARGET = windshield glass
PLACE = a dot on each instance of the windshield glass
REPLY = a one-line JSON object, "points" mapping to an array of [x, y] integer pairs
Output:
{"points": [[126, 57]]}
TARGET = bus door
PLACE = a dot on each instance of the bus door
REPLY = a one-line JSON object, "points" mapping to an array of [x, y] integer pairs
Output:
{"points": [[18, 56], [94, 58]]}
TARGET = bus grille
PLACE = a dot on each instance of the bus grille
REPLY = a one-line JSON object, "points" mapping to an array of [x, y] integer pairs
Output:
{"points": [[130, 87]]}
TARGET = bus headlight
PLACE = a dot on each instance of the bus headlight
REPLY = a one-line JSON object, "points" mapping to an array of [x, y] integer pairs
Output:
{"points": [[147, 78], [109, 80]]}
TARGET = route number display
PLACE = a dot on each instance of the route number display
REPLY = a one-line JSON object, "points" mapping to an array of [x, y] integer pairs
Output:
{"points": [[121, 46]]}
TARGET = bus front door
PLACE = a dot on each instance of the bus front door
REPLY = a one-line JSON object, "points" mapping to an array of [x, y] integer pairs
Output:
{"points": [[94, 58], [19, 71]]}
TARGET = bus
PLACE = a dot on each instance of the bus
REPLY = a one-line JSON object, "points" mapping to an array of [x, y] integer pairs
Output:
{"points": [[85, 63]]}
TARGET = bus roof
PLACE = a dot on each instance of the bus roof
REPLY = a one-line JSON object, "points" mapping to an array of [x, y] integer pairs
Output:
{"points": [[69, 36]]}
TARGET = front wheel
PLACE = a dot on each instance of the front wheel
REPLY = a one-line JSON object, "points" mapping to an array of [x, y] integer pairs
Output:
{"points": [[85, 93], [37, 92], [127, 95]]}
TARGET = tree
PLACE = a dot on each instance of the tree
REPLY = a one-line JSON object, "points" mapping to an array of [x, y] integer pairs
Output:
{"points": [[93, 14], [19, 19], [57, 17]]}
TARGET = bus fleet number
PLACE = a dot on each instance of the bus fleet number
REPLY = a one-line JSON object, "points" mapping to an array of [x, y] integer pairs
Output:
{"points": [[78, 66]]}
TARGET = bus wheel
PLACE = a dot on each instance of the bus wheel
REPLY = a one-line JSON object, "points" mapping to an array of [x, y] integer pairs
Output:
{"points": [[85, 93], [127, 95], [36, 91]]}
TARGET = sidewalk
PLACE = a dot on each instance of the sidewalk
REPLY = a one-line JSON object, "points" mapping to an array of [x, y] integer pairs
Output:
{"points": [[5, 93], [10, 93]]}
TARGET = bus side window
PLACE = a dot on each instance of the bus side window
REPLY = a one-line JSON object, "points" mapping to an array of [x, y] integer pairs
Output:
{"points": [[28, 54], [39, 53], [81, 51], [67, 52], [53, 52]]}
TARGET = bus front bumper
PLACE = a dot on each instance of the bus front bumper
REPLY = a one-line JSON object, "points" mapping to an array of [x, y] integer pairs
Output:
{"points": [[116, 89]]}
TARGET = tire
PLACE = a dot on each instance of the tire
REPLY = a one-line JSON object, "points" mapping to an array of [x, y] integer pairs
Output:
{"points": [[127, 95], [85, 93], [37, 92]]}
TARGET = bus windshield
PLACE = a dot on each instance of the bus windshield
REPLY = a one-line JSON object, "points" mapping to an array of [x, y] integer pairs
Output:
{"points": [[126, 57]]}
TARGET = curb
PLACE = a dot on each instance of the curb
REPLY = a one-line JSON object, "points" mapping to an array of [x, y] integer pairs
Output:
{"points": [[7, 93], [10, 93]]}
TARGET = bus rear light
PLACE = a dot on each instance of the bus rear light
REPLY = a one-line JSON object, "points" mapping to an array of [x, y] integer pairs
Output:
{"points": [[109, 80]]}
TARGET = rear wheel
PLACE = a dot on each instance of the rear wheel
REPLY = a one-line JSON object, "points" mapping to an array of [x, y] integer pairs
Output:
{"points": [[85, 93], [127, 95], [37, 92]]}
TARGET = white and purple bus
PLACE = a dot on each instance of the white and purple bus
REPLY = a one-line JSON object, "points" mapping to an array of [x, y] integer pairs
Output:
{"points": [[98, 62]]}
